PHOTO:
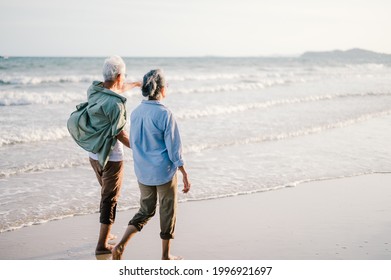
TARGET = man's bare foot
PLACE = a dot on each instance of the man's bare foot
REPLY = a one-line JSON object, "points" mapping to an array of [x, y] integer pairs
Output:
{"points": [[103, 250], [173, 258], [104, 257], [117, 252]]}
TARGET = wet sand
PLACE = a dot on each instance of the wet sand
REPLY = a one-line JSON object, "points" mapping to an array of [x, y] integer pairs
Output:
{"points": [[347, 218]]}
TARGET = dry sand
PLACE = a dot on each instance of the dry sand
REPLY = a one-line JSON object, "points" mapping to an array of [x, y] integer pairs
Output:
{"points": [[335, 219]]}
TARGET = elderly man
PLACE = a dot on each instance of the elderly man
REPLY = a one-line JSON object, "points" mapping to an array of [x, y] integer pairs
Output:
{"points": [[98, 127]]}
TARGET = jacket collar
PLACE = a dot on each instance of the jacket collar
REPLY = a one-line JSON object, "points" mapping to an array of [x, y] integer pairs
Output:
{"points": [[97, 86]]}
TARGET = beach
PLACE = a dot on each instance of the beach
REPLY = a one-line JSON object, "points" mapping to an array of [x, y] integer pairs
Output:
{"points": [[337, 219], [284, 115]]}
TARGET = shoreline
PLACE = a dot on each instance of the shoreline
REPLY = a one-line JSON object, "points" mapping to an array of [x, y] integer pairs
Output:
{"points": [[134, 208], [344, 218]]}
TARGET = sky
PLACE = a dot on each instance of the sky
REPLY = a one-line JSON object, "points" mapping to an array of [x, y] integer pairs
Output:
{"points": [[173, 28]]}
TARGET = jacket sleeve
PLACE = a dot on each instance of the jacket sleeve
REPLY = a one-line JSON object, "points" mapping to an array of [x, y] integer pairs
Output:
{"points": [[117, 116]]}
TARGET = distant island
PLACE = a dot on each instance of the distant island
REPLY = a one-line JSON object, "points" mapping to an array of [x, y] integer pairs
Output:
{"points": [[358, 55]]}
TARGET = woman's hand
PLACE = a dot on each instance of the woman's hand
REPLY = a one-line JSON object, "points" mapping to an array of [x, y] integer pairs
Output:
{"points": [[186, 182]]}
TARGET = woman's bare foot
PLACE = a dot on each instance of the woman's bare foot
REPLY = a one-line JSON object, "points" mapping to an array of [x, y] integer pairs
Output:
{"points": [[117, 252]]}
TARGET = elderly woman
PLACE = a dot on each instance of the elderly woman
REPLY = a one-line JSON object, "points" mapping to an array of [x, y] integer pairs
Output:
{"points": [[98, 127], [157, 156]]}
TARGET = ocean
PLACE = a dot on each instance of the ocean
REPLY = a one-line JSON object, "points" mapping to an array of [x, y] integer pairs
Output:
{"points": [[248, 125]]}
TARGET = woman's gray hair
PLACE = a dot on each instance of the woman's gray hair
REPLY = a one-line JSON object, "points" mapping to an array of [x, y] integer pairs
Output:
{"points": [[113, 67], [153, 82]]}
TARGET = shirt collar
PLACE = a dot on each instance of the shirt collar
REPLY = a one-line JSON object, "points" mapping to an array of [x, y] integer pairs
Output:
{"points": [[152, 102]]}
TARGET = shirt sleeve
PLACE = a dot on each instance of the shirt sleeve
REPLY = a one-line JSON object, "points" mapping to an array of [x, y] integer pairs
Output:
{"points": [[172, 140]]}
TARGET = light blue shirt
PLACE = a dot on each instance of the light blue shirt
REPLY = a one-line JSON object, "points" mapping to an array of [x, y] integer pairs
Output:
{"points": [[156, 143]]}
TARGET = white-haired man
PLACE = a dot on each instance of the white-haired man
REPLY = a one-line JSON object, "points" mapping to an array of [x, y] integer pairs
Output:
{"points": [[98, 127]]}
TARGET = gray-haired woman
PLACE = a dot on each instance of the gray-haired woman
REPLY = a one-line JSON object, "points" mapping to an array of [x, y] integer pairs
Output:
{"points": [[157, 156]]}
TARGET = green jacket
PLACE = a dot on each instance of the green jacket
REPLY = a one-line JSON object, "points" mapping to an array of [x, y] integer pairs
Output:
{"points": [[96, 123]]}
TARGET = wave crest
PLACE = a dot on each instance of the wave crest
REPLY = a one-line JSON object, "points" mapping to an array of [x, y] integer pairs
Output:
{"points": [[239, 86], [284, 136], [34, 135], [224, 110], [16, 98], [31, 80]]}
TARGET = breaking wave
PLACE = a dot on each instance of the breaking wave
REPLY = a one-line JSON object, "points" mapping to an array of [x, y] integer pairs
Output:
{"points": [[223, 110]]}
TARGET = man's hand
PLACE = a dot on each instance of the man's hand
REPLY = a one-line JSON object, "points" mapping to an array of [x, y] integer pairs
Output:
{"points": [[124, 138]]}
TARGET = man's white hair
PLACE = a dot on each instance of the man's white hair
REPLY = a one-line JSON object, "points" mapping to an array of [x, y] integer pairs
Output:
{"points": [[113, 66]]}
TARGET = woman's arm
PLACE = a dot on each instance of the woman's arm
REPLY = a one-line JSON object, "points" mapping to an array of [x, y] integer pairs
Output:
{"points": [[172, 140]]}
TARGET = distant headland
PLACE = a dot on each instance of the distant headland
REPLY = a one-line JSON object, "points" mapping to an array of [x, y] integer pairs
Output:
{"points": [[359, 55]]}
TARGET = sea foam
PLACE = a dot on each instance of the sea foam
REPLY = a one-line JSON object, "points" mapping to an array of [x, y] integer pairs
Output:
{"points": [[231, 109], [196, 148], [239, 86], [18, 98], [36, 80], [29, 135]]}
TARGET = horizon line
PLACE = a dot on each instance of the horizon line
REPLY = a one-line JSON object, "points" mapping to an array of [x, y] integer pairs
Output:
{"points": [[154, 56], [275, 55]]}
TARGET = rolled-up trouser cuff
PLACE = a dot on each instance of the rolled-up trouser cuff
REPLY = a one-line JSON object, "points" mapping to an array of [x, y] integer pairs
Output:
{"points": [[138, 227], [166, 236]]}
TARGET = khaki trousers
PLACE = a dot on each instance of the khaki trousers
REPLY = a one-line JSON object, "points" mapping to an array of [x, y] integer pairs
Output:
{"points": [[167, 195]]}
